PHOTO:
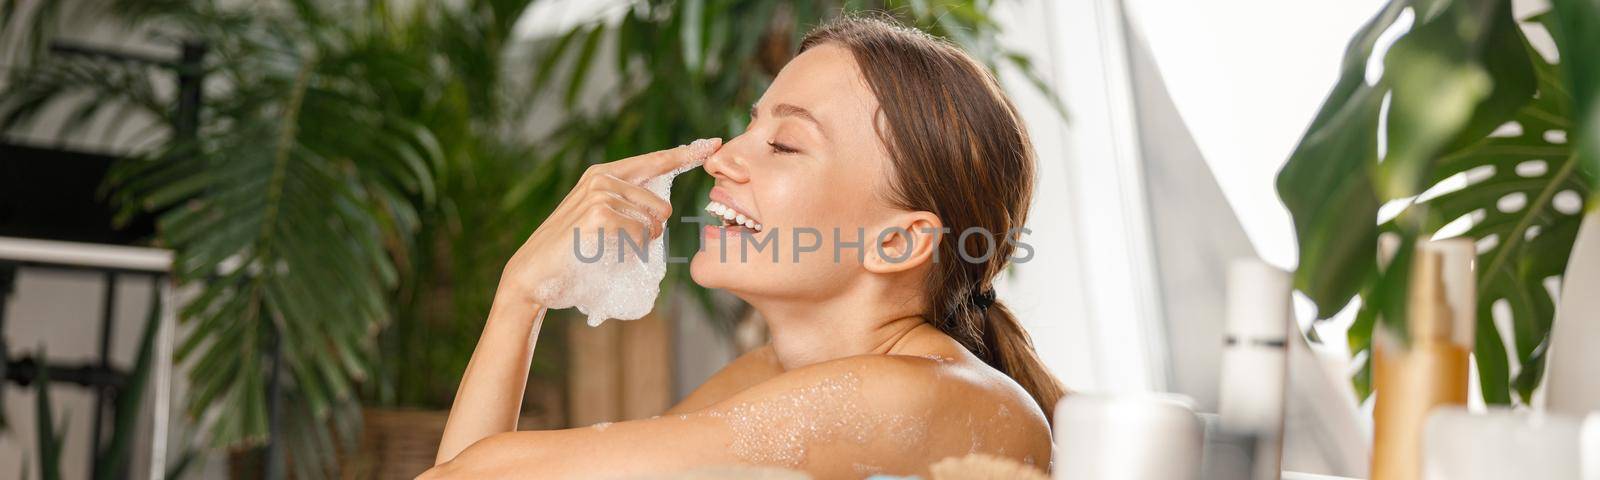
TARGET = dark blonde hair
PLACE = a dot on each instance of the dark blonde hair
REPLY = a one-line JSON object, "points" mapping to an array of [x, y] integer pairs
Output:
{"points": [[959, 150]]}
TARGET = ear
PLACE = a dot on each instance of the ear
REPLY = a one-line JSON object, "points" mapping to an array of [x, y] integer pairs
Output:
{"points": [[907, 241]]}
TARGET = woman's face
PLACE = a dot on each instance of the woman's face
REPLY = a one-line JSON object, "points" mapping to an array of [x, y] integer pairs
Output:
{"points": [[809, 168]]}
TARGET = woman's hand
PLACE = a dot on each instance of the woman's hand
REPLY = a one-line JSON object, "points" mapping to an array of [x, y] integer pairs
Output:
{"points": [[610, 198]]}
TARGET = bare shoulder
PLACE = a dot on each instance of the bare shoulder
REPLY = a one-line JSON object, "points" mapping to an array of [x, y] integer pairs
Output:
{"points": [[751, 368], [885, 414], [888, 382]]}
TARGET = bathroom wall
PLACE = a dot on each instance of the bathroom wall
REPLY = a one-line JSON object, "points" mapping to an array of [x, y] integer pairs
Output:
{"points": [[1048, 292]]}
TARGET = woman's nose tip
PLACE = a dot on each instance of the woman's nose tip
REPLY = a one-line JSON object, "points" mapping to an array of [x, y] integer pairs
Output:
{"points": [[724, 165]]}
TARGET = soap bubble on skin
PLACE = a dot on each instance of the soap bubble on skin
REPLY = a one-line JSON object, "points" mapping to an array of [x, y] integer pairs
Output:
{"points": [[781, 430], [618, 284], [866, 469]]}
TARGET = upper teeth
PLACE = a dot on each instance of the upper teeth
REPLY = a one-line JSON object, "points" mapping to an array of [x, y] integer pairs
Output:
{"points": [[727, 213]]}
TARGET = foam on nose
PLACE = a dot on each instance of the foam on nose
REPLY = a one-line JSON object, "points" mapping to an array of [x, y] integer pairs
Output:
{"points": [[620, 284], [700, 150]]}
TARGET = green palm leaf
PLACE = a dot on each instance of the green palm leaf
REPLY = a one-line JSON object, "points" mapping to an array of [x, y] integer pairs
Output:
{"points": [[288, 210]]}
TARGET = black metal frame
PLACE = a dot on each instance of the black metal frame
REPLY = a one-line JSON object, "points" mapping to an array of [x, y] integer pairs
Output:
{"points": [[100, 376], [107, 381]]}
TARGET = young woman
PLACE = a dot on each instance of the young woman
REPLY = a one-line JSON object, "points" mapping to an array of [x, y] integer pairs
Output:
{"points": [[884, 358]]}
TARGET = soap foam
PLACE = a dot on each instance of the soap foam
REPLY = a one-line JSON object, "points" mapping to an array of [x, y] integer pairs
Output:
{"points": [[619, 284]]}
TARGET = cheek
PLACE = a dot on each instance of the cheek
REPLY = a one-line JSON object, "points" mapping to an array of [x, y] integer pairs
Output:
{"points": [[815, 274], [798, 202], [820, 201]]}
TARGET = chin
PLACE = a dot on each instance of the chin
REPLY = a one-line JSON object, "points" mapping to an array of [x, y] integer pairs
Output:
{"points": [[711, 272], [703, 273]]}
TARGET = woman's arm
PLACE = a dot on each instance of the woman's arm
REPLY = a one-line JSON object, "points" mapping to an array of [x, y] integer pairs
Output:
{"points": [[489, 399], [608, 198], [826, 419]]}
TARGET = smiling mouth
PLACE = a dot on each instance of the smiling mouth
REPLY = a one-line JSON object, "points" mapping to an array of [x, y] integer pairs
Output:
{"points": [[731, 218]]}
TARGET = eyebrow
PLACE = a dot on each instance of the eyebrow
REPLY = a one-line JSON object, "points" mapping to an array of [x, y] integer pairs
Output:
{"points": [[788, 110]]}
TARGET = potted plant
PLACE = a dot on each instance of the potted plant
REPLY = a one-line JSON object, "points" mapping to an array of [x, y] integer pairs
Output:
{"points": [[1459, 128]]}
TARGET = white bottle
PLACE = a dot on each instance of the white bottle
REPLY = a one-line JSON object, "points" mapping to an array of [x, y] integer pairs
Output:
{"points": [[1589, 447], [1254, 362], [1571, 385]]}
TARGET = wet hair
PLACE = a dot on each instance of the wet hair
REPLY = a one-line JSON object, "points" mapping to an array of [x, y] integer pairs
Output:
{"points": [[957, 149]]}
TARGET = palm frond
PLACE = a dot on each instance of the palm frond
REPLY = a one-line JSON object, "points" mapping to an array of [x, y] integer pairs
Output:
{"points": [[288, 209]]}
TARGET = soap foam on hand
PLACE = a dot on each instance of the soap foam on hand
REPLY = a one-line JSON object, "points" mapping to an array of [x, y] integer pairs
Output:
{"points": [[624, 288]]}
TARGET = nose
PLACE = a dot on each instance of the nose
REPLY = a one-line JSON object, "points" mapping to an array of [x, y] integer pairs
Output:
{"points": [[727, 163]]}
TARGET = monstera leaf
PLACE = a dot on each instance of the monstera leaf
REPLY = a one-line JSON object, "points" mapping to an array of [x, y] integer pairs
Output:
{"points": [[1466, 131], [1376, 139], [1522, 202], [1575, 26], [1326, 184]]}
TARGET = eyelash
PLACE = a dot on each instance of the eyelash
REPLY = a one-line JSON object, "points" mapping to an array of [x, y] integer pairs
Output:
{"points": [[781, 148]]}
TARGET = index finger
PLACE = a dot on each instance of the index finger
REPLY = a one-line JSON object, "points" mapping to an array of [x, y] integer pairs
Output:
{"points": [[640, 168]]}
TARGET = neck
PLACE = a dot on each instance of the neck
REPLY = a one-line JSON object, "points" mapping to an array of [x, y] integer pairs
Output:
{"points": [[858, 323]]}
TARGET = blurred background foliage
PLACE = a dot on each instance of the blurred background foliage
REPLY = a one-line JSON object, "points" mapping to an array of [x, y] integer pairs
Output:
{"points": [[1458, 128], [361, 170]]}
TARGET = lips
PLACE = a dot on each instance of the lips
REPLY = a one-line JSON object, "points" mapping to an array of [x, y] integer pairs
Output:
{"points": [[731, 213]]}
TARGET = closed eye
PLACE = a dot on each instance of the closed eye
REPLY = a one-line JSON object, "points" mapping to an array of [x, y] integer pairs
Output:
{"points": [[781, 148]]}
